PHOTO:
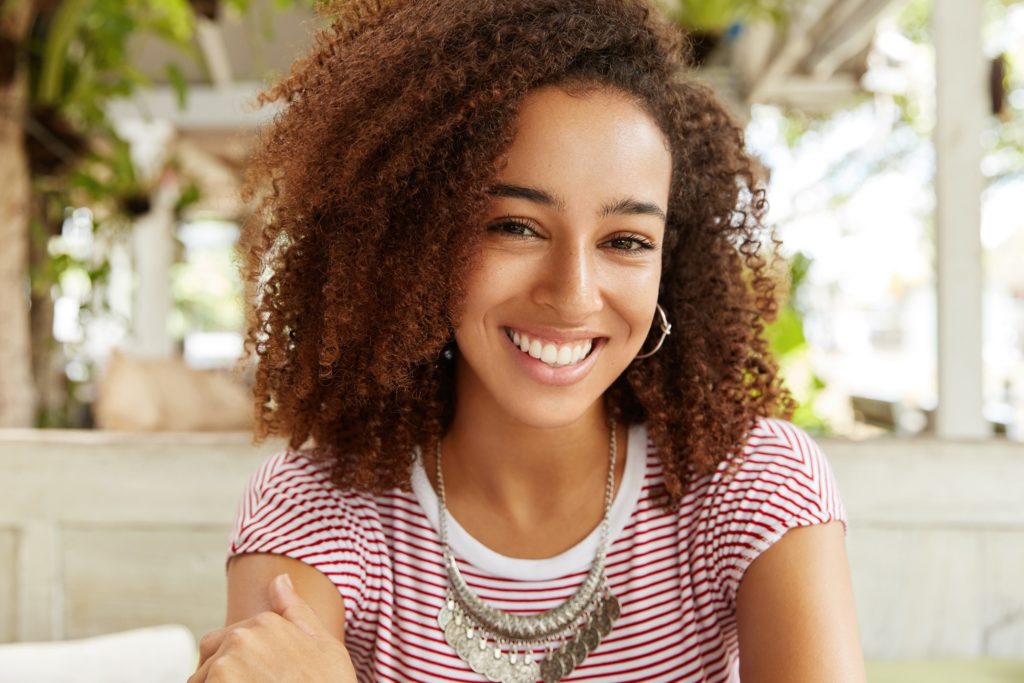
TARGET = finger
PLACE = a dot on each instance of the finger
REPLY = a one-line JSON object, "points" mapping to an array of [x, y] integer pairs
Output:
{"points": [[292, 607], [216, 669], [201, 672], [210, 643]]}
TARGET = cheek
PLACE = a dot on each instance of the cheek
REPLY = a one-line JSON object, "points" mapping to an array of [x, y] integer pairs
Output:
{"points": [[637, 299], [640, 283], [483, 287]]}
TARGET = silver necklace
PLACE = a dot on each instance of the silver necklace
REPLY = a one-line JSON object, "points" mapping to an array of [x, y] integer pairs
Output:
{"points": [[499, 645]]}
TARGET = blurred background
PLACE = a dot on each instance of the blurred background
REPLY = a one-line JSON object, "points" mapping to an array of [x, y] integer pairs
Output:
{"points": [[891, 138]]}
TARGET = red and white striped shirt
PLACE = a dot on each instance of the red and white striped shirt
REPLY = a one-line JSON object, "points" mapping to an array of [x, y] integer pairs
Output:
{"points": [[676, 573]]}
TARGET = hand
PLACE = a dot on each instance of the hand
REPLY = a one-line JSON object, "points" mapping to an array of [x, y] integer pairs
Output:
{"points": [[288, 645]]}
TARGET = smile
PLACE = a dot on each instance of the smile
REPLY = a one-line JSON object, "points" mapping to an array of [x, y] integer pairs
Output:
{"points": [[548, 352]]}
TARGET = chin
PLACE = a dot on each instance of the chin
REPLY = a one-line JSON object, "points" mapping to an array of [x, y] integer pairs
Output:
{"points": [[552, 413]]}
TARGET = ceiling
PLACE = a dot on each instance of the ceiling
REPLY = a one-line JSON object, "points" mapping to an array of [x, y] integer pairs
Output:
{"points": [[814, 62]]}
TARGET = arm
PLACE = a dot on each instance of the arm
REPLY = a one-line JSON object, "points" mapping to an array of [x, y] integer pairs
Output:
{"points": [[251, 573], [795, 611], [285, 624]]}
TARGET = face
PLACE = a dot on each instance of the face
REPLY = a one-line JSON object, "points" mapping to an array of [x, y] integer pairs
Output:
{"points": [[563, 292]]}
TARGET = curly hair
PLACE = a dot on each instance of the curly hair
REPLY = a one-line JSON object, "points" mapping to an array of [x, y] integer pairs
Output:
{"points": [[369, 190]]}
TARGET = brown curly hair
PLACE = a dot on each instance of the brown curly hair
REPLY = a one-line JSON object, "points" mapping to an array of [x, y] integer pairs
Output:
{"points": [[370, 188]]}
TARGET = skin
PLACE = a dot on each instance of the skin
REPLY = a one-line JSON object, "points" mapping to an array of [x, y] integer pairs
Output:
{"points": [[273, 633], [521, 453], [795, 613], [524, 461]]}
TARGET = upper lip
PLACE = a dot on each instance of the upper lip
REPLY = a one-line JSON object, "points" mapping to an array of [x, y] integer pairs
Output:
{"points": [[555, 335]]}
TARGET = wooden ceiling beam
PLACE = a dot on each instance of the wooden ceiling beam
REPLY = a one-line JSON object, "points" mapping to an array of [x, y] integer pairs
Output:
{"points": [[206, 107], [845, 37], [793, 49], [215, 52]]}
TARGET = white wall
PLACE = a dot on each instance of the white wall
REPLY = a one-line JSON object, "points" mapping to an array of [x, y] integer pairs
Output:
{"points": [[104, 532], [936, 545]]}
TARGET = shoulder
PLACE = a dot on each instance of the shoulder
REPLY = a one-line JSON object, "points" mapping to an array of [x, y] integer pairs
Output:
{"points": [[781, 480], [291, 472], [300, 475], [291, 507], [778, 453], [292, 495], [773, 439]]}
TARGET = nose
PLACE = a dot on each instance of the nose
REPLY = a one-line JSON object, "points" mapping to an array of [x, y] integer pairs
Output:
{"points": [[570, 284]]}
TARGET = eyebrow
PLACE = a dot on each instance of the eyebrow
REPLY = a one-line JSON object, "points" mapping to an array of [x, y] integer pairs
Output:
{"points": [[625, 206], [530, 194], [632, 207]]}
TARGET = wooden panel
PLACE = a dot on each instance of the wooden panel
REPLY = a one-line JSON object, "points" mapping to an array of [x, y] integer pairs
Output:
{"points": [[39, 593], [929, 482], [112, 479], [1002, 633], [8, 570], [118, 578], [112, 532], [938, 592]]}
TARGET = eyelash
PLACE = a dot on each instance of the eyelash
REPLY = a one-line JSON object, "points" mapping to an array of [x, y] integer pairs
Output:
{"points": [[500, 226], [641, 242]]}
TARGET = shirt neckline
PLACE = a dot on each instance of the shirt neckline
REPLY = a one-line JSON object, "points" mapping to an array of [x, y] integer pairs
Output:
{"points": [[577, 558]]}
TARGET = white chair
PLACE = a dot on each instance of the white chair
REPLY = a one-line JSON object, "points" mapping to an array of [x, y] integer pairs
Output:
{"points": [[161, 654]]}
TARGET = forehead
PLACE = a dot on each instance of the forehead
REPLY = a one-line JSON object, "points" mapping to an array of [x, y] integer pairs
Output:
{"points": [[600, 140]]}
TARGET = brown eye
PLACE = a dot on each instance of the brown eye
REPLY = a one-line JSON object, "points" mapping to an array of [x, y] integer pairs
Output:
{"points": [[512, 228], [631, 243]]}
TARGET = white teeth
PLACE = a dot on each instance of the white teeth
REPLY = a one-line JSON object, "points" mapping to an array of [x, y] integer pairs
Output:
{"points": [[550, 354], [564, 355]]}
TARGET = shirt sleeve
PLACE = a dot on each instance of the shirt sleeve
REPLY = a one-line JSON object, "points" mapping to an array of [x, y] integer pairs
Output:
{"points": [[783, 482], [291, 507]]}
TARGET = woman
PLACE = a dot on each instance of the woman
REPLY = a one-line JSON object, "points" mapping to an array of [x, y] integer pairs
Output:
{"points": [[512, 283]]}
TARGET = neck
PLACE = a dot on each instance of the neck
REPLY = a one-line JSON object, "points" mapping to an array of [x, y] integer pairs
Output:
{"points": [[525, 473]]}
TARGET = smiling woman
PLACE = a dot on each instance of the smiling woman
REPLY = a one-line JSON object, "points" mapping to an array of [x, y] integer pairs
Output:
{"points": [[571, 260], [512, 281]]}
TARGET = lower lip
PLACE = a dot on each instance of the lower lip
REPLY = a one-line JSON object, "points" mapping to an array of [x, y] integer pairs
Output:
{"points": [[545, 374]]}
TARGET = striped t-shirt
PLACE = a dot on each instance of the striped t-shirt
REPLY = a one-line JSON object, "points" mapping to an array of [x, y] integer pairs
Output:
{"points": [[675, 572]]}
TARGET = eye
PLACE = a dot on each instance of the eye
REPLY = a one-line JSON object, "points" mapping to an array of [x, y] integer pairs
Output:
{"points": [[513, 227], [630, 243]]}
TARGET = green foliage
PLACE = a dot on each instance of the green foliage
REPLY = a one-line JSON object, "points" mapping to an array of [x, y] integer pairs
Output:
{"points": [[84, 53], [190, 194], [790, 348], [177, 81], [714, 16], [913, 20], [207, 294], [78, 60]]}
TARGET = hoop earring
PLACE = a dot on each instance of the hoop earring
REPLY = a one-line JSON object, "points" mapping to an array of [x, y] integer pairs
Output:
{"points": [[666, 329]]}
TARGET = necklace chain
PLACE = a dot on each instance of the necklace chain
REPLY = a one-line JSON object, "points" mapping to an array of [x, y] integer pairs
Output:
{"points": [[498, 644]]}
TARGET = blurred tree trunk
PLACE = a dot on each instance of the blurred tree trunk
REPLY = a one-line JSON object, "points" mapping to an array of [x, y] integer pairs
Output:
{"points": [[17, 392], [48, 377]]}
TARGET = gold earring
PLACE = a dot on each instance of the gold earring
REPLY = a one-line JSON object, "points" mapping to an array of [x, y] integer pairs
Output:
{"points": [[666, 329]]}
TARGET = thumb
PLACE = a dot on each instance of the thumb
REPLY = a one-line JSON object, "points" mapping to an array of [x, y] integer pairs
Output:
{"points": [[292, 607]]}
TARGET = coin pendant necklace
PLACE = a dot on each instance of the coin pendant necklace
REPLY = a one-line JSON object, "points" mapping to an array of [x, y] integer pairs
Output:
{"points": [[499, 645]]}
